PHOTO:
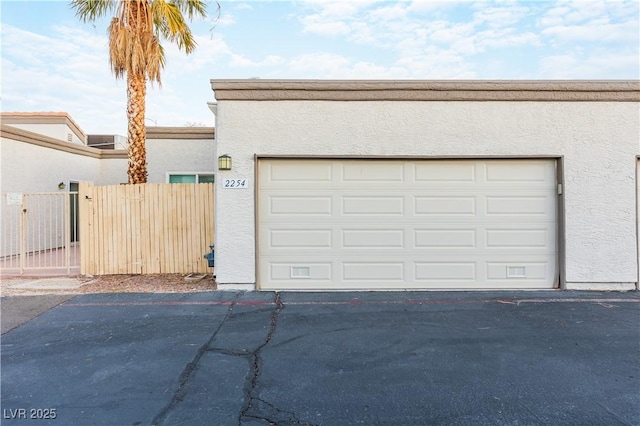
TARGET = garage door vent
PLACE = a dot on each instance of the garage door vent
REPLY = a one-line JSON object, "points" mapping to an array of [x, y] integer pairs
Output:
{"points": [[516, 272], [300, 272]]}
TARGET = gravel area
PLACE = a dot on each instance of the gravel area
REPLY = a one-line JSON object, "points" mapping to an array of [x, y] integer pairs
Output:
{"points": [[154, 283]]}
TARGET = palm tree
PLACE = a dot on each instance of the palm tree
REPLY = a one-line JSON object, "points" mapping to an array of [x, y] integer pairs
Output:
{"points": [[135, 51]]}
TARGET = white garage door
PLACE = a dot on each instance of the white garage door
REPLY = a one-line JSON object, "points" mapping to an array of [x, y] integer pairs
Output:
{"points": [[406, 224]]}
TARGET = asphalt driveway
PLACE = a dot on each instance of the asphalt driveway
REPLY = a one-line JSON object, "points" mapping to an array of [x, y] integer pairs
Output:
{"points": [[249, 358]]}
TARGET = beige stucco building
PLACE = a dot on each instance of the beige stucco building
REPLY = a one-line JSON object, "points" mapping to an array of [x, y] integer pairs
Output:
{"points": [[41, 150], [460, 185], [44, 156]]}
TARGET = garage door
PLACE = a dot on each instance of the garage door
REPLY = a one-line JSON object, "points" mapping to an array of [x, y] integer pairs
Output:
{"points": [[406, 224]]}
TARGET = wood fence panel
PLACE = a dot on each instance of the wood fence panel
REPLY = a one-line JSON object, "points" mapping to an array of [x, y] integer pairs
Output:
{"points": [[121, 249], [138, 211], [150, 235], [96, 231], [148, 228]]}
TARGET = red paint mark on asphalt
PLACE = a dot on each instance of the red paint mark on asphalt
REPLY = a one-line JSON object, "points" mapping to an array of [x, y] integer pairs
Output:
{"points": [[354, 302], [576, 300], [168, 303]]}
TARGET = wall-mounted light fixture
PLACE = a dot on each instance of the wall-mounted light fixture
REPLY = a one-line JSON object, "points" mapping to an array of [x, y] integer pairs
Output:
{"points": [[224, 162], [62, 185]]}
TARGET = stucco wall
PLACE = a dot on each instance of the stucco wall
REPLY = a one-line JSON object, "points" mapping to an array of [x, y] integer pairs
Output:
{"points": [[598, 140], [33, 162], [27, 167], [113, 171], [179, 155], [58, 131]]}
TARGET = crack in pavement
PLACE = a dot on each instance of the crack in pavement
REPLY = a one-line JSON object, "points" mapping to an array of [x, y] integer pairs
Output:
{"points": [[189, 371], [255, 406], [275, 416]]}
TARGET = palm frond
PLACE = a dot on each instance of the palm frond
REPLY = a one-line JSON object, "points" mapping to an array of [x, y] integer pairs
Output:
{"points": [[170, 23], [91, 10], [193, 8], [135, 51]]}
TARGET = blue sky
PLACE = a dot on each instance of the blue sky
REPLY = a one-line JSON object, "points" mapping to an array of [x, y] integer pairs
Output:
{"points": [[53, 62]]}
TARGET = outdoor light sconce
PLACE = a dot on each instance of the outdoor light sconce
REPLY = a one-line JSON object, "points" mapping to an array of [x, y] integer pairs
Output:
{"points": [[224, 162], [62, 185]]}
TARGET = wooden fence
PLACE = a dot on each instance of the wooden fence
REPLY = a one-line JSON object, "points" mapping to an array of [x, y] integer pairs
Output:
{"points": [[145, 229]]}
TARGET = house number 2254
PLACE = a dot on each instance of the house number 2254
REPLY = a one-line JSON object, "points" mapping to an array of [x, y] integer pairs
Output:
{"points": [[235, 184]]}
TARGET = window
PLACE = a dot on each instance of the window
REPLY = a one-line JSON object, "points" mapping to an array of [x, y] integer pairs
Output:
{"points": [[190, 178]]}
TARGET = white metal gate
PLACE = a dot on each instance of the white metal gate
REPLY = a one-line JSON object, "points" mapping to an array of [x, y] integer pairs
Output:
{"points": [[39, 232]]}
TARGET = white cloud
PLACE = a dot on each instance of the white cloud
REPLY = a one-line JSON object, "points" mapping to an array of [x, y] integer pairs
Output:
{"points": [[225, 19], [339, 8], [416, 33], [432, 6], [242, 61], [554, 16], [362, 33], [598, 30], [66, 68], [335, 18], [447, 33], [69, 71], [503, 16], [588, 10], [498, 39], [244, 6], [331, 66], [388, 13], [436, 64], [316, 24], [211, 48], [317, 62], [594, 65]]}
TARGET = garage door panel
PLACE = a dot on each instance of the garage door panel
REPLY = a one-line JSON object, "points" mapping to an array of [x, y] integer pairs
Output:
{"points": [[284, 172], [372, 238], [307, 272], [455, 224], [445, 172], [440, 205], [436, 272], [373, 172], [373, 271], [439, 238], [311, 205], [532, 171], [518, 271], [517, 205], [517, 238], [383, 205], [300, 238]]}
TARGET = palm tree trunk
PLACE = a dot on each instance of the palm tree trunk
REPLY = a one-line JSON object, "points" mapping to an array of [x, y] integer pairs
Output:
{"points": [[137, 132]]}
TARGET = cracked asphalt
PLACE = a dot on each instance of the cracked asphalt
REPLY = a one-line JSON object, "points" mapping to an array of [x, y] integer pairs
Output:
{"points": [[383, 358]]}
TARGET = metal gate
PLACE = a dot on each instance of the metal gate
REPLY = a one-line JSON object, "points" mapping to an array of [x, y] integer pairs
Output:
{"points": [[39, 233]]}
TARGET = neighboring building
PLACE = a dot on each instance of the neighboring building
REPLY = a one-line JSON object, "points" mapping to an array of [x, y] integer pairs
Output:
{"points": [[180, 154], [41, 150], [107, 141], [57, 125], [364, 185], [36, 172], [34, 162], [48, 153]]}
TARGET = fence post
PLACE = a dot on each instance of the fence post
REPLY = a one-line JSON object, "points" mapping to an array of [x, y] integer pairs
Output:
{"points": [[67, 232], [23, 234], [85, 195]]}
